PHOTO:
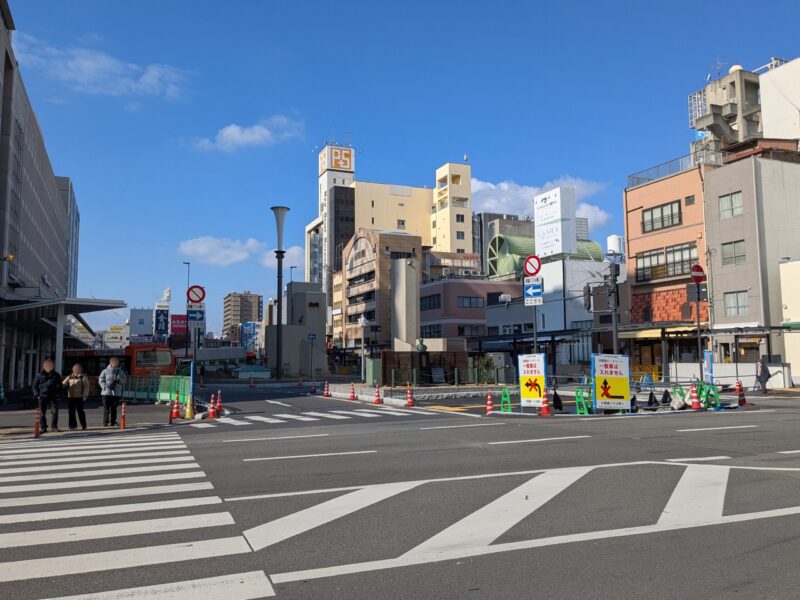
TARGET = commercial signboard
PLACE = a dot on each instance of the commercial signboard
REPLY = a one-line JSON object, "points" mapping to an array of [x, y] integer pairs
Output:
{"points": [[177, 324], [554, 222], [708, 366], [612, 383], [162, 321], [532, 388], [248, 335], [337, 158]]}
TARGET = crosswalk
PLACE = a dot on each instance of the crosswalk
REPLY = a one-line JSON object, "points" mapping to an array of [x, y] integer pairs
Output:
{"points": [[93, 504], [310, 416]]}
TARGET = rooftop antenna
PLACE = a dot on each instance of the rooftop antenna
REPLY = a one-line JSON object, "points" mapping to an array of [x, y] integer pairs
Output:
{"points": [[718, 65], [346, 141], [466, 158]]}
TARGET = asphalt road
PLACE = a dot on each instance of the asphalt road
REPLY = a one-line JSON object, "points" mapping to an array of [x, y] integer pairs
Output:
{"points": [[315, 499]]}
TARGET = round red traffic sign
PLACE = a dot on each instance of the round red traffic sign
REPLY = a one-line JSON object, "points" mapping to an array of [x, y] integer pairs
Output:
{"points": [[698, 274], [532, 265], [196, 294]]}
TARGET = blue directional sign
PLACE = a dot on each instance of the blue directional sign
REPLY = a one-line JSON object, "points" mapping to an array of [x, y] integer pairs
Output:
{"points": [[312, 337], [533, 291], [195, 316], [162, 322]]}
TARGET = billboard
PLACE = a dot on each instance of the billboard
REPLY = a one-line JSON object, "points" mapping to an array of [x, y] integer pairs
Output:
{"points": [[177, 324], [337, 158], [249, 334], [554, 222], [162, 321]]}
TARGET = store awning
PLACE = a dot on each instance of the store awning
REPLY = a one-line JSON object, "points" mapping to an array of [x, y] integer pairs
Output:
{"points": [[658, 333]]}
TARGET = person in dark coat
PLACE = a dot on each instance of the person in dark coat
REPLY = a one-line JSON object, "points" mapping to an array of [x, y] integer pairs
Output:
{"points": [[763, 375], [47, 390]]}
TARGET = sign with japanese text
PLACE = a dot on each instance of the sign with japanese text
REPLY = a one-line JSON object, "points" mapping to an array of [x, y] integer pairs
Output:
{"points": [[336, 158], [612, 384], [177, 324], [532, 388]]}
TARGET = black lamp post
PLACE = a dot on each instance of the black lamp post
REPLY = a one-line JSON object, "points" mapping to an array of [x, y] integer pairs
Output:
{"points": [[280, 217]]}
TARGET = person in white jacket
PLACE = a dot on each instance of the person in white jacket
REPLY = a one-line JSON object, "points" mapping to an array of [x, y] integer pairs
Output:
{"points": [[112, 381]]}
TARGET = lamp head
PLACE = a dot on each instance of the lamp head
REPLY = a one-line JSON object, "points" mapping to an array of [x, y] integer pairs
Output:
{"points": [[280, 217]]}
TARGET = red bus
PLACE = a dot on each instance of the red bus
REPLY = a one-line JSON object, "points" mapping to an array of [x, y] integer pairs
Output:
{"points": [[139, 360]]}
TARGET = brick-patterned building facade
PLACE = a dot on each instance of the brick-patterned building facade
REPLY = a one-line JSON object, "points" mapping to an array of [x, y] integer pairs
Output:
{"points": [[663, 306]]}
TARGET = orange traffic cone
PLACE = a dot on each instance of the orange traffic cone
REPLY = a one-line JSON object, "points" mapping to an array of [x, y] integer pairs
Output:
{"points": [[212, 407], [37, 426], [326, 393], [176, 409], [695, 398], [489, 404], [122, 417], [352, 392], [545, 411], [740, 393], [377, 396], [219, 402], [409, 396]]}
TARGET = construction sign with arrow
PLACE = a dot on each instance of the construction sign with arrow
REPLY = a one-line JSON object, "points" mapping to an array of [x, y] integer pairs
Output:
{"points": [[532, 387], [611, 376]]}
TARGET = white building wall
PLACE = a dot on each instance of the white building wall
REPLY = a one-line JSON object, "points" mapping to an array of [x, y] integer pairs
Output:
{"points": [[780, 101]]}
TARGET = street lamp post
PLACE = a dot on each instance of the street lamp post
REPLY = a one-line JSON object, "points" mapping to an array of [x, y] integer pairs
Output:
{"points": [[362, 320], [280, 217]]}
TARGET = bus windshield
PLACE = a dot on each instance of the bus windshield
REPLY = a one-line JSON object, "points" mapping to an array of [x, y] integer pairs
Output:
{"points": [[153, 358]]}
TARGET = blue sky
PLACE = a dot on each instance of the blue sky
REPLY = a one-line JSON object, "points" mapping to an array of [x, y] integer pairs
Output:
{"points": [[181, 122]]}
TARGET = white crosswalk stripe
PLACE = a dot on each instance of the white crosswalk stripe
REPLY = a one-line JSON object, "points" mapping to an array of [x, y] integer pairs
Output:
{"points": [[309, 416], [264, 419], [75, 484], [296, 417]]}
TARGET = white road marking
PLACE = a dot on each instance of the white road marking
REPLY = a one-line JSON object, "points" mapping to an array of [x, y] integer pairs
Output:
{"points": [[698, 498], [454, 413], [697, 459], [789, 452], [422, 559], [95, 473], [264, 419], [489, 522], [9, 458], [279, 403], [231, 421], [325, 415], [283, 437], [113, 530], [310, 455], [104, 494], [381, 412], [241, 586], [69, 442], [716, 428], [289, 494], [296, 417], [61, 485], [99, 464], [98, 448], [121, 559], [409, 411], [294, 524], [461, 426], [110, 509], [550, 439], [201, 425], [355, 414], [90, 457]]}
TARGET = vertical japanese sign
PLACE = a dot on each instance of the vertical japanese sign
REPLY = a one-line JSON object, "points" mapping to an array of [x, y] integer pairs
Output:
{"points": [[532, 370], [708, 366], [612, 384]]}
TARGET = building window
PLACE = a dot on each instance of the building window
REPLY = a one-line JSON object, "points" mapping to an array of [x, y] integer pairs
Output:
{"points": [[433, 240], [433, 225], [735, 304], [661, 217], [469, 330], [431, 302], [470, 302], [650, 265], [459, 235], [373, 203], [459, 251], [733, 253], [459, 218], [730, 205], [680, 259], [430, 331], [373, 220], [401, 224], [688, 201]]}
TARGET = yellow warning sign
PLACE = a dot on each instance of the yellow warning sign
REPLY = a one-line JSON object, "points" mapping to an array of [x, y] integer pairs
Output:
{"points": [[612, 386], [532, 370]]}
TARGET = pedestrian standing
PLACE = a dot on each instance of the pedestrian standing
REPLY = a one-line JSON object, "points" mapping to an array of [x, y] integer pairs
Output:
{"points": [[111, 381], [47, 390], [77, 386], [763, 375]]}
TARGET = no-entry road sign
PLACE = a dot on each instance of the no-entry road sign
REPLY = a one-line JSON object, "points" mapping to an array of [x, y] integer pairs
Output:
{"points": [[195, 294], [698, 274], [532, 265]]}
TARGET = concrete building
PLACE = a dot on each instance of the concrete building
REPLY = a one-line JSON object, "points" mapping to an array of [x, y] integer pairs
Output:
{"points": [[752, 217], [441, 217], [73, 234], [780, 100], [305, 315], [790, 296], [240, 307]]}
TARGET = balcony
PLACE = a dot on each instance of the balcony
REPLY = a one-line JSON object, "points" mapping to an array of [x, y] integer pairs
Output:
{"points": [[680, 268], [684, 163]]}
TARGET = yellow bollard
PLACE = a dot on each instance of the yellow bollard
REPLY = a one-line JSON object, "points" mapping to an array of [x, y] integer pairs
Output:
{"points": [[189, 410]]}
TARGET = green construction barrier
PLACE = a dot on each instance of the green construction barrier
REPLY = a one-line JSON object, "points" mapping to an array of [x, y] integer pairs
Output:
{"points": [[505, 401], [580, 402], [170, 385]]}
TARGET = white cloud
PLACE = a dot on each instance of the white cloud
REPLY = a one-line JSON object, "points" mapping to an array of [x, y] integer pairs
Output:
{"points": [[264, 133], [295, 257], [220, 252], [509, 197], [96, 72]]}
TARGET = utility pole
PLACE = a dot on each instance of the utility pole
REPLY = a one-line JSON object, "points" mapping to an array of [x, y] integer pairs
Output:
{"points": [[613, 300]]}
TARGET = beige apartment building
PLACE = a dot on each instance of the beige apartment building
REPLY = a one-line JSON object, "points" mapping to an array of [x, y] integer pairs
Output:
{"points": [[240, 307], [440, 216]]}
